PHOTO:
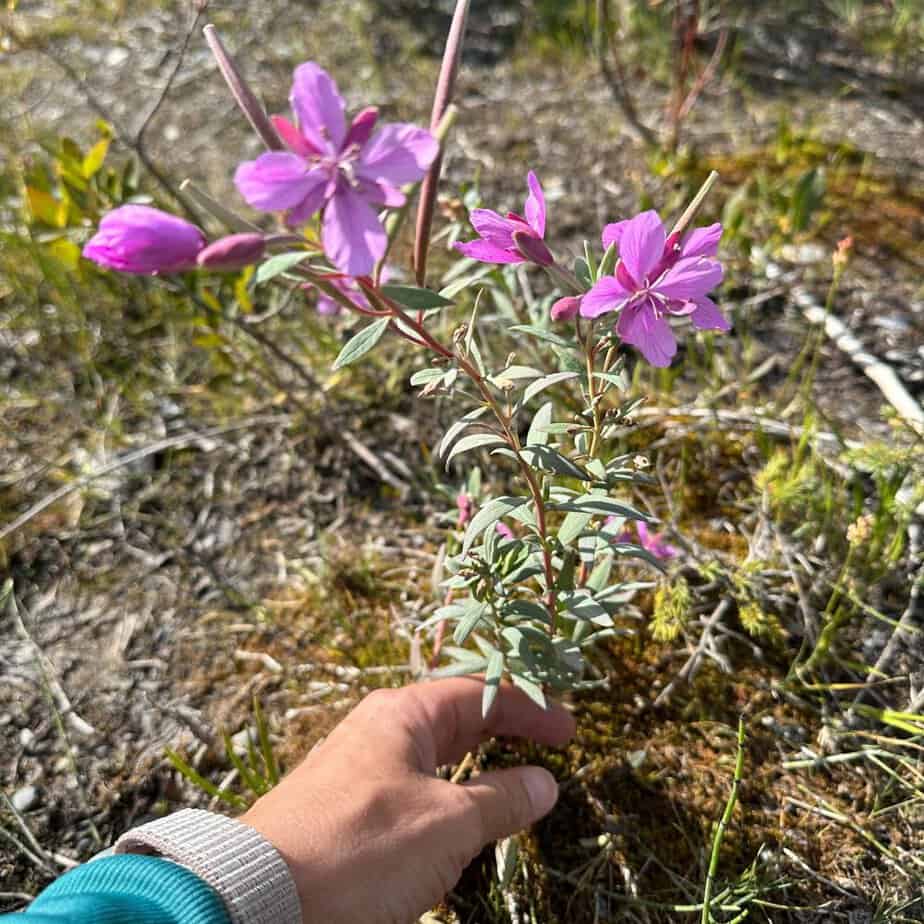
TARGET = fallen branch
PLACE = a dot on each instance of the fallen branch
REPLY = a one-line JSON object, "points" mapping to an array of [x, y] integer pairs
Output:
{"points": [[883, 375]]}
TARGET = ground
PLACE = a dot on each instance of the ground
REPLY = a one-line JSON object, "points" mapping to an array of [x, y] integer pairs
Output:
{"points": [[278, 534]]}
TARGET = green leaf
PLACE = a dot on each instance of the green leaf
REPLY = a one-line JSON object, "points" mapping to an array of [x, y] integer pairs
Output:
{"points": [[473, 441], [532, 690], [601, 573], [608, 263], [492, 678], [415, 298], [617, 379], [547, 381], [362, 343], [279, 264], [551, 459], [462, 668], [451, 434], [540, 333], [513, 374], [582, 606], [492, 511], [425, 376], [572, 526], [582, 271], [538, 435], [602, 505], [525, 609], [466, 625]]}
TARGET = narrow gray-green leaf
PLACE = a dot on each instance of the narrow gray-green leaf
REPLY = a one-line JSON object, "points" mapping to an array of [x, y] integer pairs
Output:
{"points": [[546, 458], [473, 441], [547, 381], [572, 526], [451, 434], [492, 678], [415, 298], [492, 511], [362, 343], [278, 264], [532, 690], [468, 622], [602, 505], [425, 376], [538, 435]]}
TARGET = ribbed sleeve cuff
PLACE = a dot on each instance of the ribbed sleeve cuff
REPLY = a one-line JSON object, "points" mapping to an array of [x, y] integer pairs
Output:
{"points": [[245, 870]]}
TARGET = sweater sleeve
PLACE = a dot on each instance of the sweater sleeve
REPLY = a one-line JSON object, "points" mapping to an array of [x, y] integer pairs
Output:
{"points": [[126, 889]]}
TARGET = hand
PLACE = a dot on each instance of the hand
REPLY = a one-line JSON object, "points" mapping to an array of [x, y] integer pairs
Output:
{"points": [[370, 833]]}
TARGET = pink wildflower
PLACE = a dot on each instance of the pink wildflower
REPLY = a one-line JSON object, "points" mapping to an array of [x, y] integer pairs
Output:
{"points": [[566, 309], [657, 278], [652, 542], [144, 241], [466, 509], [343, 170], [504, 531], [513, 239]]}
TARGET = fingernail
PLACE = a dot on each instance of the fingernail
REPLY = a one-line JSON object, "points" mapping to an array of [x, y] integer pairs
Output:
{"points": [[542, 790]]}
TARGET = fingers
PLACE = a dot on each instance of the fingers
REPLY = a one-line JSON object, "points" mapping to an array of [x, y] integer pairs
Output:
{"points": [[447, 721], [507, 801]]}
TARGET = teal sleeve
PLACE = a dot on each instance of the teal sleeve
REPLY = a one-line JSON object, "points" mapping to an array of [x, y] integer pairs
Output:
{"points": [[125, 889]]}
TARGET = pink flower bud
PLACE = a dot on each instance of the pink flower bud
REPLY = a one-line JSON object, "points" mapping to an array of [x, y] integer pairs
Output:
{"points": [[144, 241], [466, 509], [532, 248], [566, 308], [233, 252]]}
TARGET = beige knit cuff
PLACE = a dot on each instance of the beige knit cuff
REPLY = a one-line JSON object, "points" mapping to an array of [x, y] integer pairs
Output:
{"points": [[245, 870]]}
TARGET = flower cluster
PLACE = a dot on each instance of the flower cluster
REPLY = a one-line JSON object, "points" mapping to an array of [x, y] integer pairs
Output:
{"points": [[659, 277], [330, 168]]}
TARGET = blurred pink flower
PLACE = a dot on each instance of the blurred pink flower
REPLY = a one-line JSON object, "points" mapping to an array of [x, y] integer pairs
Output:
{"points": [[657, 278], [466, 509], [343, 170], [513, 239], [232, 252], [652, 542]]}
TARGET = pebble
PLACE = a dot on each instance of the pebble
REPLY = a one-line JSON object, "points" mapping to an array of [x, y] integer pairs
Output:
{"points": [[26, 737], [25, 799]]}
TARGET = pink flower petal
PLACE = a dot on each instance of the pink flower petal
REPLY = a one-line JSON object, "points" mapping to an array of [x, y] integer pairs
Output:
{"points": [[311, 203], [275, 181], [640, 326], [612, 233], [532, 248], [354, 239], [486, 252], [642, 245], [702, 242], [398, 153], [362, 126], [690, 278], [493, 228], [319, 107], [707, 316], [607, 295], [293, 138], [535, 205], [381, 193]]}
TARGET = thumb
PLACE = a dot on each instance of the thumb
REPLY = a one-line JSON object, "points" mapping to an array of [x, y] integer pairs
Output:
{"points": [[511, 800]]}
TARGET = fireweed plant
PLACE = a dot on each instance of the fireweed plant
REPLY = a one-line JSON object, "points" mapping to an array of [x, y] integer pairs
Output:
{"points": [[530, 574]]}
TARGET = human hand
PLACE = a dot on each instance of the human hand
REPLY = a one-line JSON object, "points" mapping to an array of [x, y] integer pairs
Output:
{"points": [[369, 832]]}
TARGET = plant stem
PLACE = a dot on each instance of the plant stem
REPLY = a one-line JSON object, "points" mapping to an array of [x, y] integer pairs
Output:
{"points": [[722, 825]]}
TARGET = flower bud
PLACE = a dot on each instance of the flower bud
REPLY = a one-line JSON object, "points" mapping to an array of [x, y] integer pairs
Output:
{"points": [[144, 241], [532, 248], [566, 308], [233, 252]]}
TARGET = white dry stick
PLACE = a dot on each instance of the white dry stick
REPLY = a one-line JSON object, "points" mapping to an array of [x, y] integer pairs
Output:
{"points": [[884, 376]]}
